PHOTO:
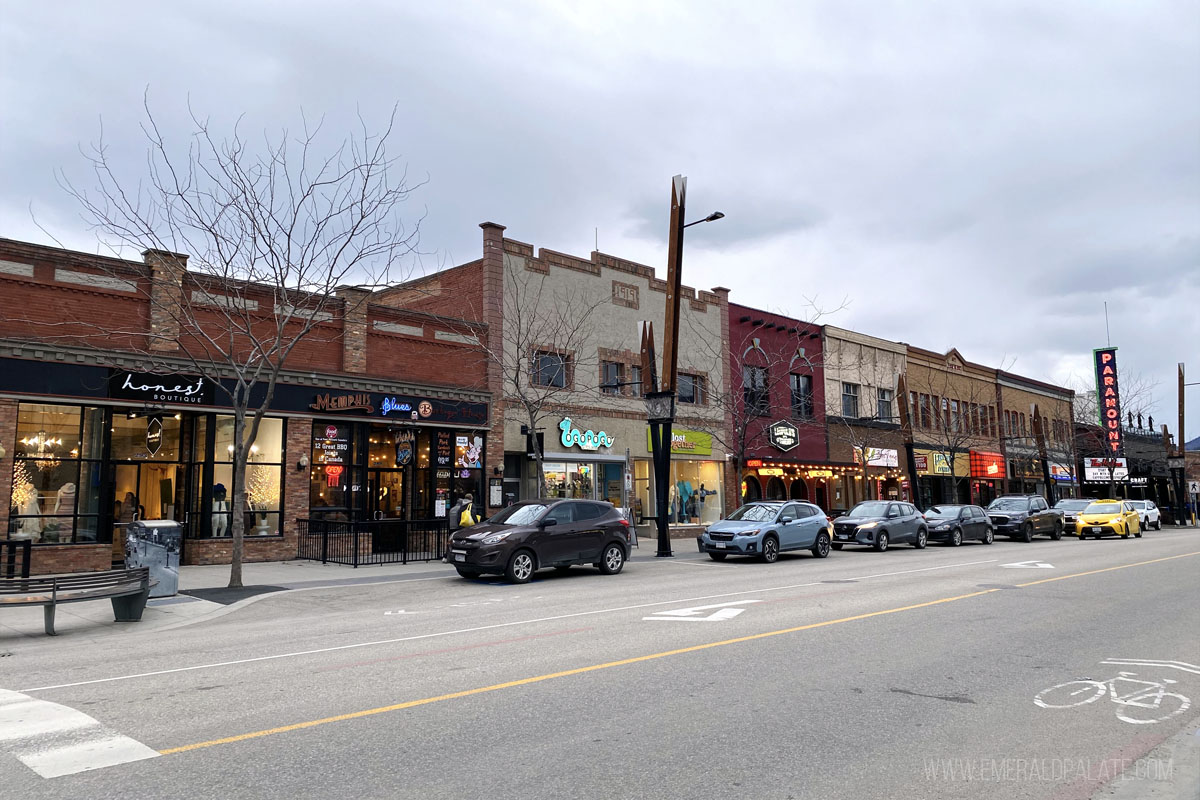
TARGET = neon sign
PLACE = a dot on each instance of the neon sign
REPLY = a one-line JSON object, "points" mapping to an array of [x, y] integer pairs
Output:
{"points": [[585, 440], [391, 404], [1108, 397], [333, 476]]}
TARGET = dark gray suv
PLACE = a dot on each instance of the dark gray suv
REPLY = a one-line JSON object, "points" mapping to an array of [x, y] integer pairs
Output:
{"points": [[880, 523], [533, 534]]}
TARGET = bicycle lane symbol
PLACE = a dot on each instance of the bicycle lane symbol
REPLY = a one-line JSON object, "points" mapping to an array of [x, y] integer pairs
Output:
{"points": [[1139, 702]]}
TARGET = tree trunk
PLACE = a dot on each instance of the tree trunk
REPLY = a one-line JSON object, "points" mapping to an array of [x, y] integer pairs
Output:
{"points": [[237, 522]]}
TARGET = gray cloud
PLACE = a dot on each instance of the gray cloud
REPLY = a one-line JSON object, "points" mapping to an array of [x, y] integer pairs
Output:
{"points": [[980, 175]]}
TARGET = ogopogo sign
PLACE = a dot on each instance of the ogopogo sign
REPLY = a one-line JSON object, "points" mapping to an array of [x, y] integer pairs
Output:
{"points": [[1108, 398]]}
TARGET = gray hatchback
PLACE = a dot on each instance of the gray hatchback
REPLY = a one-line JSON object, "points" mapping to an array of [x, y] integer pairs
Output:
{"points": [[880, 523]]}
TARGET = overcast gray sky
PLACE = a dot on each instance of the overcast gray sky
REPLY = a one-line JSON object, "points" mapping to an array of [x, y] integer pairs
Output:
{"points": [[981, 175]]}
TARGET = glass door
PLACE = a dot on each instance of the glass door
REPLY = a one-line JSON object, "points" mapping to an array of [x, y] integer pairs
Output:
{"points": [[386, 493], [144, 491]]}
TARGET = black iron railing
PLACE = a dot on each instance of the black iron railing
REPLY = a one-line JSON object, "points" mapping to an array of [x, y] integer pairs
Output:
{"points": [[380, 541], [14, 557]]}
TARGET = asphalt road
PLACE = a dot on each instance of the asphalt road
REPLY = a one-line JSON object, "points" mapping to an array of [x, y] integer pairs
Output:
{"points": [[907, 674]]}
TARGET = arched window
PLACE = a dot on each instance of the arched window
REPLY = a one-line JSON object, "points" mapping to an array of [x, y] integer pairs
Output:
{"points": [[799, 489]]}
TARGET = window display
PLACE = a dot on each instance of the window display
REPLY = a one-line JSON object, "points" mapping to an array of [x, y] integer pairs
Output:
{"points": [[574, 481], [694, 496]]}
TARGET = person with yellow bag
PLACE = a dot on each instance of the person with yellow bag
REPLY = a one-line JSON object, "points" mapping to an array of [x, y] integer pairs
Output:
{"points": [[461, 515]]}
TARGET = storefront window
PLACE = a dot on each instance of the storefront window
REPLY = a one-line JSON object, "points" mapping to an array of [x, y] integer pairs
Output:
{"points": [[56, 484], [333, 476], [137, 436], [570, 480], [695, 496]]}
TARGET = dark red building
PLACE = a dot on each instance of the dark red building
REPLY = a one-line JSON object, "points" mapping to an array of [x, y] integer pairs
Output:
{"points": [[777, 407]]}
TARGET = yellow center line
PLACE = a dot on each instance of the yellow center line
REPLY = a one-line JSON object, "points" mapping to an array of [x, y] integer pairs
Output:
{"points": [[1108, 569], [623, 662]]}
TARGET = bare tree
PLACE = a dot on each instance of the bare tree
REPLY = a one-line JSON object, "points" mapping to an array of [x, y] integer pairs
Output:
{"points": [[548, 352], [961, 421], [1137, 401], [279, 239]]}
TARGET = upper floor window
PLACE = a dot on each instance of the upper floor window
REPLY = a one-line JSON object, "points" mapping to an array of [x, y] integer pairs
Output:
{"points": [[955, 422], [611, 377], [926, 412], [635, 377], [690, 388], [802, 396], [883, 405], [754, 389], [850, 400], [549, 369]]}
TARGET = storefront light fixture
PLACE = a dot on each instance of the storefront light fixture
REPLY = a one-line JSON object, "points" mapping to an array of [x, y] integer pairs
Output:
{"points": [[302, 464]]}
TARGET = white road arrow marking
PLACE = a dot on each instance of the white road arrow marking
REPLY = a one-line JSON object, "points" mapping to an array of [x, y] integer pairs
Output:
{"points": [[54, 740], [1029, 565], [401, 611], [723, 612]]}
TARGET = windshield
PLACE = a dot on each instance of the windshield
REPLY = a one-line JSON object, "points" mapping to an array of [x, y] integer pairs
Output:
{"points": [[872, 509], [1009, 504], [942, 512], [755, 513], [1138, 504], [1103, 508], [1072, 505], [520, 514]]}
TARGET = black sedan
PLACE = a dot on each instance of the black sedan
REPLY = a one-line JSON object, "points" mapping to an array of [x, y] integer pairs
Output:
{"points": [[954, 524], [528, 536]]}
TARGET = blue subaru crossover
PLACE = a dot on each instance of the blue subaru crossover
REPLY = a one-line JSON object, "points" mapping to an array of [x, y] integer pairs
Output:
{"points": [[766, 529]]}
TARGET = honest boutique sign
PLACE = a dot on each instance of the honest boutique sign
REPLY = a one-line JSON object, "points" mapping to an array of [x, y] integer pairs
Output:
{"points": [[146, 387]]}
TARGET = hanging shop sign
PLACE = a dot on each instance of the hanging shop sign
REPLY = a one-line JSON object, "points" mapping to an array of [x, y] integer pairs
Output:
{"points": [[1097, 470], [584, 440], [820, 473], [154, 434], [1139, 480], [783, 435], [686, 442], [406, 442], [359, 401], [922, 463], [989, 466], [771, 472], [146, 387], [1108, 397], [878, 457]]}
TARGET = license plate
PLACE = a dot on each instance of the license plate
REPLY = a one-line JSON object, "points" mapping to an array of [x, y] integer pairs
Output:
{"points": [[719, 545], [843, 536], [1097, 530], [460, 556]]}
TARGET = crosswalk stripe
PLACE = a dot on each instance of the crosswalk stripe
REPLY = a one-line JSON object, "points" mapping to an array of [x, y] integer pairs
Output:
{"points": [[55, 740]]}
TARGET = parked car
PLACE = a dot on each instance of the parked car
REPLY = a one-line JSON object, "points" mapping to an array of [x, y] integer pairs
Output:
{"points": [[880, 523], [1109, 518], [765, 529], [1021, 516], [1070, 508], [533, 534], [1149, 514], [954, 523]]}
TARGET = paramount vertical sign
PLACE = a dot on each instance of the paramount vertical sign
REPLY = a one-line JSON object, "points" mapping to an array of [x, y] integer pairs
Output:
{"points": [[1108, 397]]}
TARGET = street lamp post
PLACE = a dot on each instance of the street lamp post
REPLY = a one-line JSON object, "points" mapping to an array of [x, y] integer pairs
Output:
{"points": [[660, 395]]}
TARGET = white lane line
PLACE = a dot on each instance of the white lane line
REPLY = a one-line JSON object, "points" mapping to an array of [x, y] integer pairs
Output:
{"points": [[1139, 662], [438, 634], [55, 740]]}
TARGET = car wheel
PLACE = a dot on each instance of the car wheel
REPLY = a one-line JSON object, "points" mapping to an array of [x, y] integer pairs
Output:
{"points": [[612, 560], [1056, 534], [1027, 532], [770, 550], [1158, 524], [821, 548], [989, 536], [467, 573], [881, 541], [717, 556], [836, 545], [956, 537], [922, 539], [520, 567], [1138, 534]]}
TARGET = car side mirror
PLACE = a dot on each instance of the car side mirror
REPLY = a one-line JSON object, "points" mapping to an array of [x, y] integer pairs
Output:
{"points": [[546, 523], [784, 520]]}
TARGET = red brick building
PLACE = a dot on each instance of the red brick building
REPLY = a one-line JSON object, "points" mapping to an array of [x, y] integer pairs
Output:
{"points": [[382, 412], [777, 434]]}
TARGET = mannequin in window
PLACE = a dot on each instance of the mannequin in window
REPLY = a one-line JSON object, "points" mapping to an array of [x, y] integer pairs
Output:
{"points": [[685, 494], [220, 511], [127, 509], [673, 505], [30, 527], [64, 503]]}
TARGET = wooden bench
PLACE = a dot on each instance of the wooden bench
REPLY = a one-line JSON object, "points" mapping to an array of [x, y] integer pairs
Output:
{"points": [[127, 588]]}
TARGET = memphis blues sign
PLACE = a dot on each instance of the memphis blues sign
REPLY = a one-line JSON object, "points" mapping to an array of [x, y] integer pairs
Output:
{"points": [[1108, 398]]}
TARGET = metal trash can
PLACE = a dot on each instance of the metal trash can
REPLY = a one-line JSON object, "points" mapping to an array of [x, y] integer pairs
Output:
{"points": [[155, 544]]}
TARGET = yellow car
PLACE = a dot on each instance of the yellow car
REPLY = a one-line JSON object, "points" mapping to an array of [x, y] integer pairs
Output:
{"points": [[1108, 518]]}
